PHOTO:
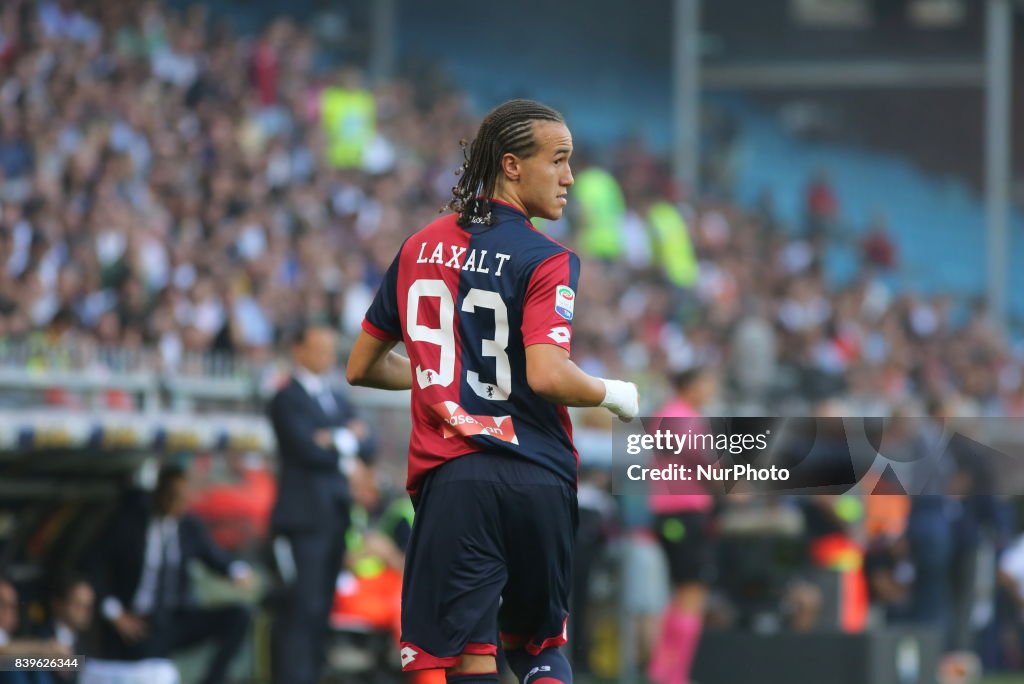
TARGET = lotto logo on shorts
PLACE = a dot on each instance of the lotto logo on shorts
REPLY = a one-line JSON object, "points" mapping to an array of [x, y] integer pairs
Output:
{"points": [[408, 655], [535, 671], [565, 299]]}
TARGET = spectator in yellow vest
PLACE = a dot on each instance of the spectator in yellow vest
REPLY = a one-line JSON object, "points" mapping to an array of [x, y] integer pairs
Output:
{"points": [[671, 243], [602, 210], [348, 114]]}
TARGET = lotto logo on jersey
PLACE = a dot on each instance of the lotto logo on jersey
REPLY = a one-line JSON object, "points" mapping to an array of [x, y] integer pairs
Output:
{"points": [[565, 298], [560, 334]]}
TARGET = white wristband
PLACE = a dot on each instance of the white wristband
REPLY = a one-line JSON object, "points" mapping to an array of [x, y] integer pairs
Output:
{"points": [[621, 398]]}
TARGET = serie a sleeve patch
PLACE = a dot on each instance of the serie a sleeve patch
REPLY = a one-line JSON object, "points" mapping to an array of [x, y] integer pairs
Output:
{"points": [[565, 299]]}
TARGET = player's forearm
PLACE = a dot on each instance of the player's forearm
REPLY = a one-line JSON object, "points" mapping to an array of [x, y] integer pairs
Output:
{"points": [[554, 377], [566, 384], [372, 363], [390, 372]]}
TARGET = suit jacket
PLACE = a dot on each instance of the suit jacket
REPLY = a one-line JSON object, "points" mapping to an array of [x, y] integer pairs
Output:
{"points": [[310, 484], [47, 631], [119, 560]]}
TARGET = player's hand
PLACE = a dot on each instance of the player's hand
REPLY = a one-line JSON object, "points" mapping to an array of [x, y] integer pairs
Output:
{"points": [[632, 410], [131, 627], [622, 399]]}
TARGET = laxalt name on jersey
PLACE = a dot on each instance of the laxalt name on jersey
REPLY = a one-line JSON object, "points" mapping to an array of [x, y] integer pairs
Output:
{"points": [[456, 257]]}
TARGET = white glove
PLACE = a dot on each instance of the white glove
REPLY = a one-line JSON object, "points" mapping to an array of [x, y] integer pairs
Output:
{"points": [[621, 398]]}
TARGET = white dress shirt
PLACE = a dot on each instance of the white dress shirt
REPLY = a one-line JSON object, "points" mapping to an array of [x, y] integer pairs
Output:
{"points": [[161, 532], [345, 441], [161, 547], [64, 634]]}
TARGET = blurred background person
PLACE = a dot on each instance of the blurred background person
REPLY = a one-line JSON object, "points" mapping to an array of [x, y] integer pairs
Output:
{"points": [[683, 525], [598, 523], [72, 603], [321, 445], [144, 581], [14, 646]]}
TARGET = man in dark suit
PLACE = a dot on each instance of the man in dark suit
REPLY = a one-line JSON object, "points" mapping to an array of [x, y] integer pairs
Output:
{"points": [[321, 445], [143, 579]]}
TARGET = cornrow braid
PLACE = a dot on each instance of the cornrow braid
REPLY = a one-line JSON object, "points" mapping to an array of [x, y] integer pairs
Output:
{"points": [[508, 129]]}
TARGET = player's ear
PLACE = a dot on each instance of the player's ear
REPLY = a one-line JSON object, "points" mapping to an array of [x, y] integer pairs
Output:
{"points": [[510, 166]]}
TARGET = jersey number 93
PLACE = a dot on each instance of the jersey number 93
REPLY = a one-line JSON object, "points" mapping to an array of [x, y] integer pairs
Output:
{"points": [[444, 337]]}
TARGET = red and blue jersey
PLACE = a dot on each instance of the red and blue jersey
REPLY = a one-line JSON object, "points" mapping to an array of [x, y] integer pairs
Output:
{"points": [[467, 302]]}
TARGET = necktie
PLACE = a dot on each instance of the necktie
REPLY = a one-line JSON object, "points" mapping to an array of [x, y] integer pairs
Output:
{"points": [[327, 402], [167, 590]]}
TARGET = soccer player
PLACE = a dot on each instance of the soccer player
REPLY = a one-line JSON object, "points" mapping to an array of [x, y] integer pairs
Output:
{"points": [[682, 520], [484, 304]]}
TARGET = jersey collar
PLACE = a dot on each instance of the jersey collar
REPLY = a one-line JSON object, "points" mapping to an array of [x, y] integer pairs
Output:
{"points": [[499, 205]]}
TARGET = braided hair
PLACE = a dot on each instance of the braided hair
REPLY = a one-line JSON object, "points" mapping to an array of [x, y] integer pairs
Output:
{"points": [[508, 129]]}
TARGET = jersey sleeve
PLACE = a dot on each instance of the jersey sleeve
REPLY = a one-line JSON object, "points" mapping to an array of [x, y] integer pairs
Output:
{"points": [[550, 301], [382, 319]]}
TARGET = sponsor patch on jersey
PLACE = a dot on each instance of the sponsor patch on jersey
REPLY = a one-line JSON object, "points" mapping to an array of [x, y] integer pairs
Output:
{"points": [[457, 422], [565, 298]]}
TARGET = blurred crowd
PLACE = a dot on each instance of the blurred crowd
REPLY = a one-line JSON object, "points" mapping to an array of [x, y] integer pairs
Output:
{"points": [[164, 183], [171, 188]]}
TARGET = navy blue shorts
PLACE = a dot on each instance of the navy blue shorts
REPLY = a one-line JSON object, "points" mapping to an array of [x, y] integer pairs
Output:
{"points": [[491, 549]]}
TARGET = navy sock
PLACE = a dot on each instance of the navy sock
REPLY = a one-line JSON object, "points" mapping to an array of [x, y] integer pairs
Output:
{"points": [[472, 678], [547, 667]]}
